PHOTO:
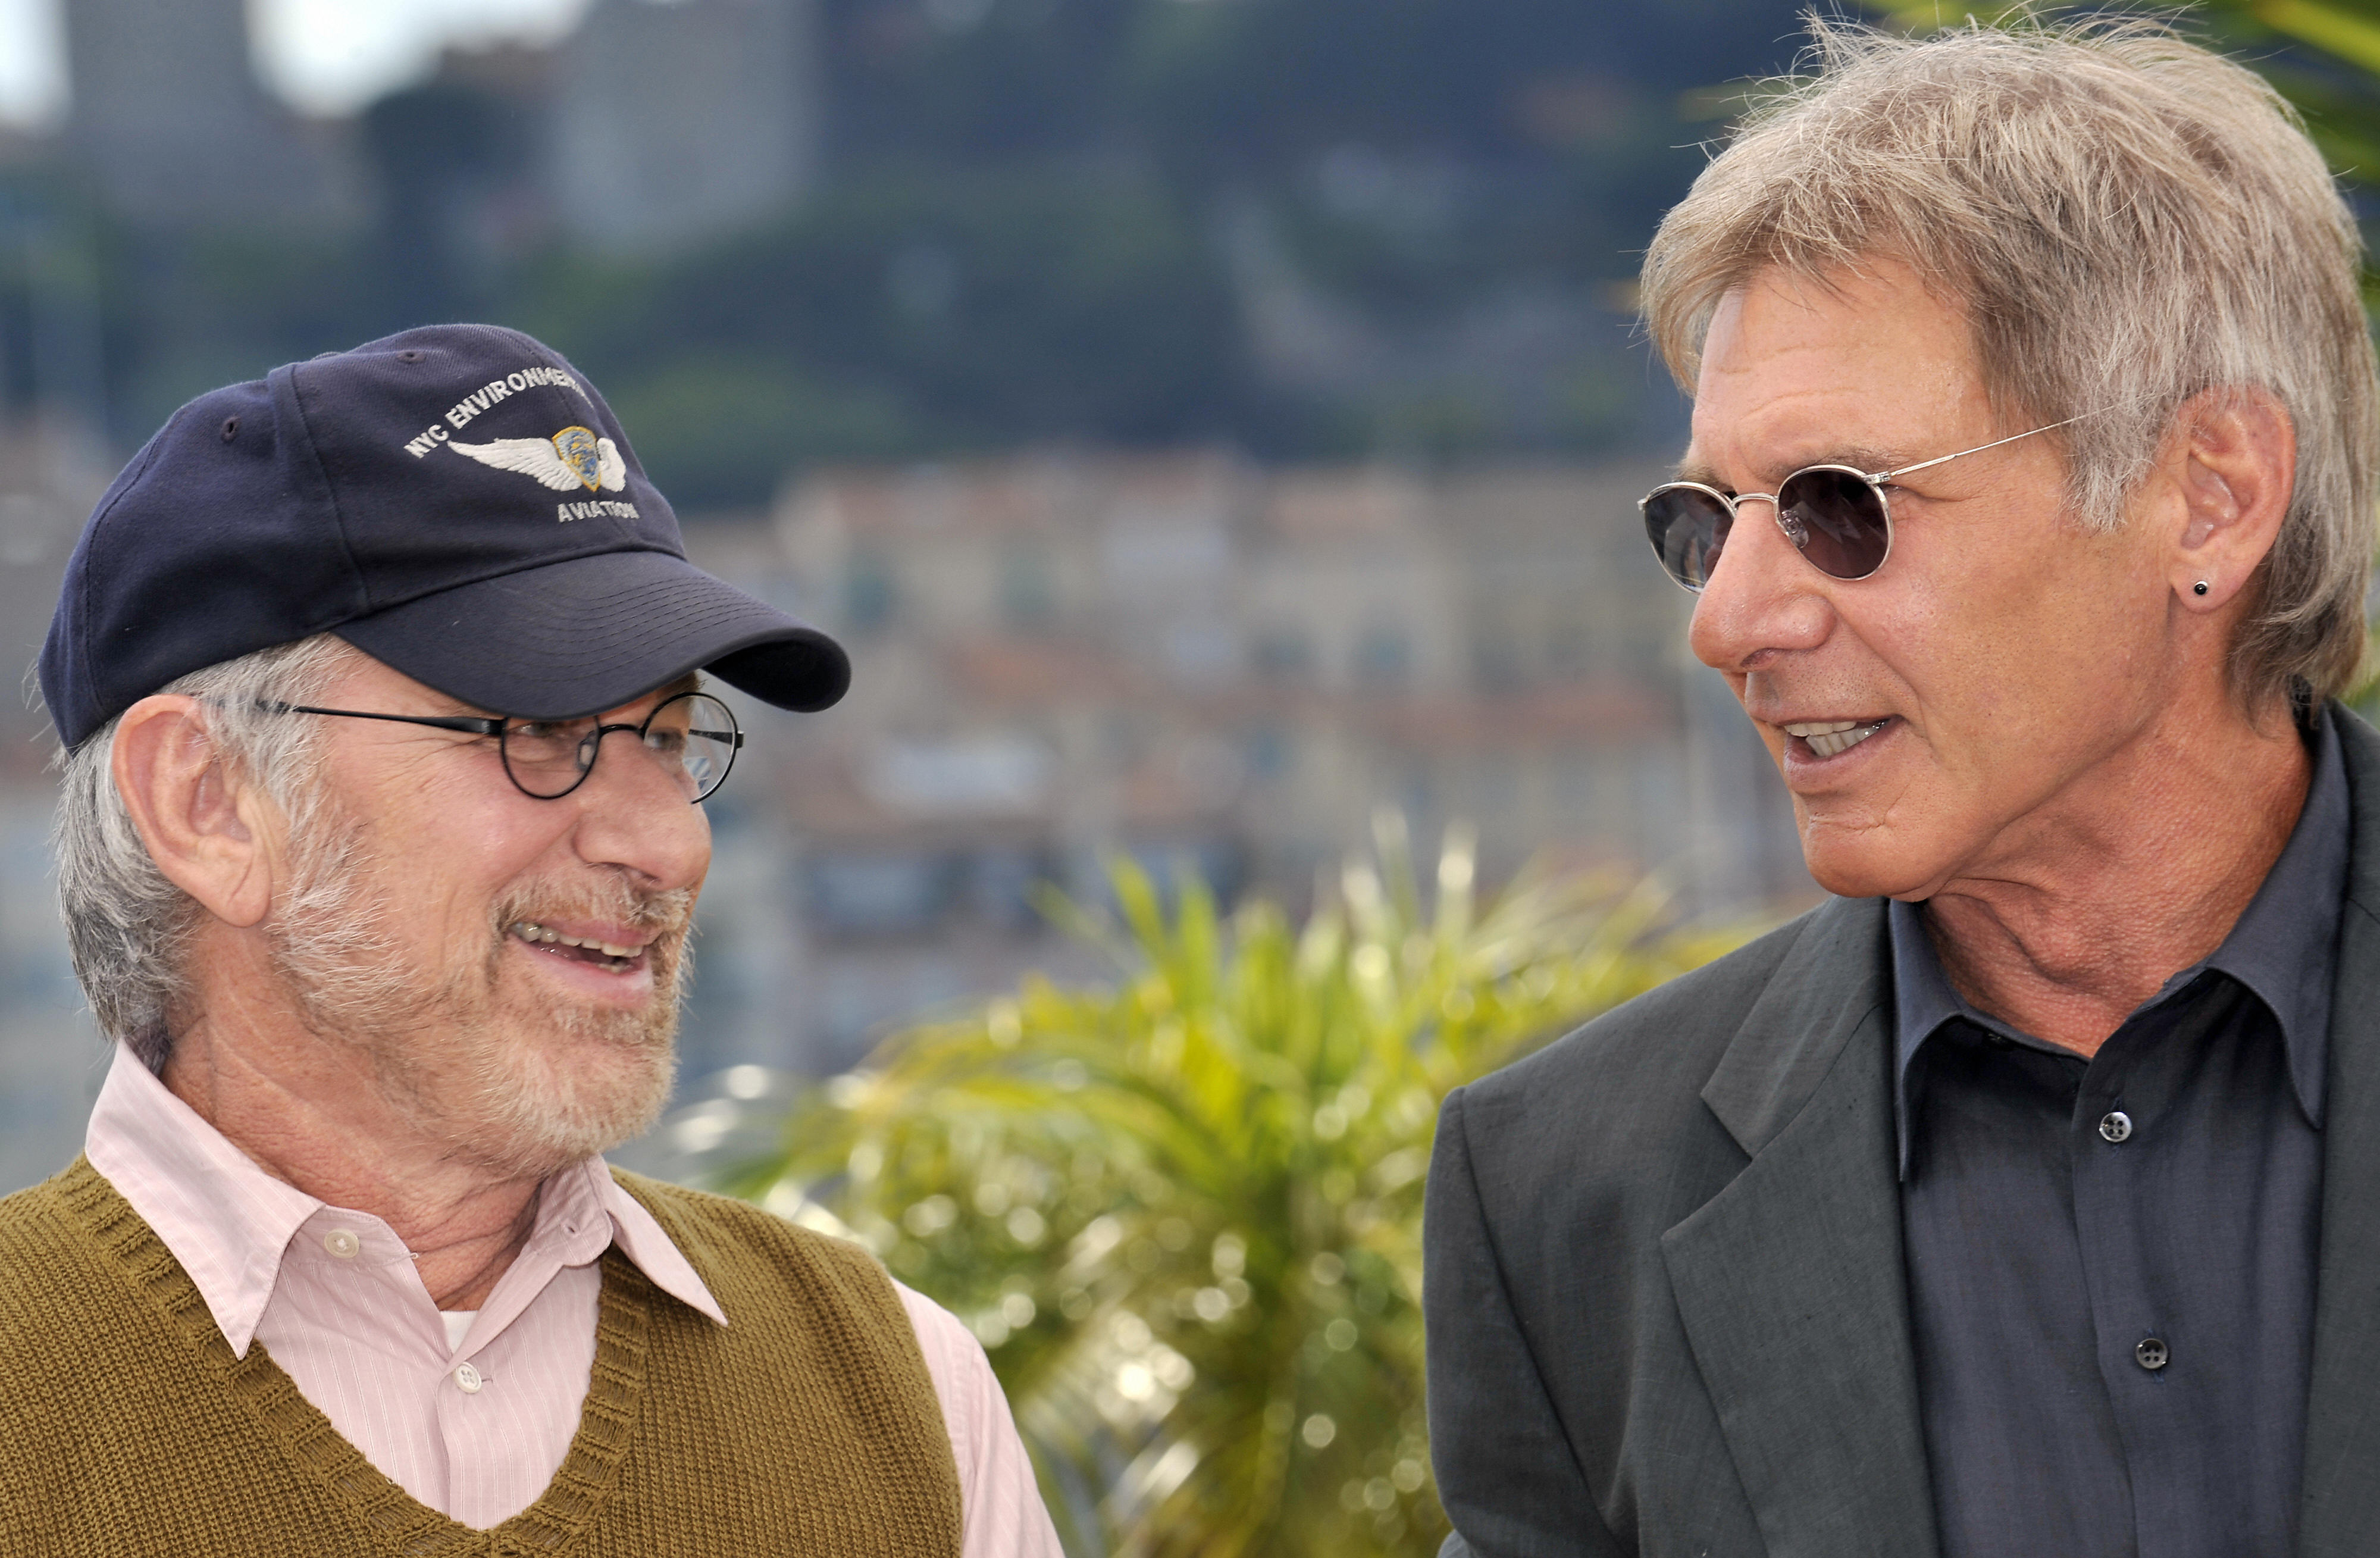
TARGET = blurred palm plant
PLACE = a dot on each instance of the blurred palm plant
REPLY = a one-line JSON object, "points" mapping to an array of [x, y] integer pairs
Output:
{"points": [[1183, 1213]]}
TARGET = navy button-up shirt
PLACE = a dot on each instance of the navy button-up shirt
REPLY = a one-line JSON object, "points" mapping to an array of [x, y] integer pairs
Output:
{"points": [[2111, 1263]]}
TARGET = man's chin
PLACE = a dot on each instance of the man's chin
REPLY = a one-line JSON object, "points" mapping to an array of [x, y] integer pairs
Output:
{"points": [[578, 1088], [1872, 863]]}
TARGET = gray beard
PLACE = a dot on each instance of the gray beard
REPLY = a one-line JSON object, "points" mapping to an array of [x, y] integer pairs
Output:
{"points": [[469, 1061]]}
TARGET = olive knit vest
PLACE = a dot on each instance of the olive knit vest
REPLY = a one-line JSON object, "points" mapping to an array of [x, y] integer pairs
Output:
{"points": [[808, 1425]]}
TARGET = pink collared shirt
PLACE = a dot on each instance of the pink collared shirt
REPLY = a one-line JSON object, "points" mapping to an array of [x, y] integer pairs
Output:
{"points": [[476, 1425]]}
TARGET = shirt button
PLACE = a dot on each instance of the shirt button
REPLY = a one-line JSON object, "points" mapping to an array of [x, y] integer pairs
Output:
{"points": [[2115, 1126], [342, 1242], [2152, 1353], [468, 1380]]}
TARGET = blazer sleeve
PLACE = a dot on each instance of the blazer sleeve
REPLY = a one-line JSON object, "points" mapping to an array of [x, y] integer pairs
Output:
{"points": [[1505, 1472]]}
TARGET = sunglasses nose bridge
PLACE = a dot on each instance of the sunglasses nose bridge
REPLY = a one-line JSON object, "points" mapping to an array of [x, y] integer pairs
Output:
{"points": [[1787, 521]]}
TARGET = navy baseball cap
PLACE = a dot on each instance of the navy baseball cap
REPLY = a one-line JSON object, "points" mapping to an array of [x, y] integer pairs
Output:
{"points": [[456, 501]]}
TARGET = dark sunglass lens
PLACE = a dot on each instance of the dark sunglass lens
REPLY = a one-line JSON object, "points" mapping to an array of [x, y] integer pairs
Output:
{"points": [[1838, 518], [1687, 527]]}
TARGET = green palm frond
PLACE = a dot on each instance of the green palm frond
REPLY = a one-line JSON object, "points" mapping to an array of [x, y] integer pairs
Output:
{"points": [[2350, 31], [1183, 1213]]}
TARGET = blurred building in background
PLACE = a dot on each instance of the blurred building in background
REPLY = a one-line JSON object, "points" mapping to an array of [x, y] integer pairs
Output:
{"points": [[668, 126], [52, 470], [173, 130], [1207, 664]]}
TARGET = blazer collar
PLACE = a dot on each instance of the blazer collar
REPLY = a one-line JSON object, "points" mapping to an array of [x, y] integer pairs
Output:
{"points": [[2339, 1501], [1838, 976]]}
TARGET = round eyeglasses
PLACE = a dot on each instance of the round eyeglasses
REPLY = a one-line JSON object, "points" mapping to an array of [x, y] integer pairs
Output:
{"points": [[1836, 516], [692, 736]]}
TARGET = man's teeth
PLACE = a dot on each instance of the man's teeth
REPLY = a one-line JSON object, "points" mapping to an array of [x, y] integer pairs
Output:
{"points": [[1827, 737], [531, 932]]}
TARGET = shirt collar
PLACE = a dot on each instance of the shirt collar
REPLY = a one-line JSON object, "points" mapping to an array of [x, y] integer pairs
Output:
{"points": [[2283, 948], [229, 1223], [642, 1241]]}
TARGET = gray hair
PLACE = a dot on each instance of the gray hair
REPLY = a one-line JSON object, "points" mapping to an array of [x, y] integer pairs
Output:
{"points": [[2127, 220], [128, 925]]}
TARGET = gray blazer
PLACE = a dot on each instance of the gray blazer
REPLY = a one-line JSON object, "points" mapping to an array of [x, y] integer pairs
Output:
{"points": [[1664, 1287]]}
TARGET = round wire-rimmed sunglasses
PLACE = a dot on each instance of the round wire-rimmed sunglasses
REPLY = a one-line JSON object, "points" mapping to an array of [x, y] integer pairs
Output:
{"points": [[1836, 516], [693, 735]]}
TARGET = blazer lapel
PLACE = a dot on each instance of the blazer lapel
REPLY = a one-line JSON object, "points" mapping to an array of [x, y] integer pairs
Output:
{"points": [[2339, 1507], [1789, 1281]]}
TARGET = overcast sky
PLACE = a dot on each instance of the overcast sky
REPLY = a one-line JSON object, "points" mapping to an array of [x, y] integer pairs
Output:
{"points": [[325, 56]]}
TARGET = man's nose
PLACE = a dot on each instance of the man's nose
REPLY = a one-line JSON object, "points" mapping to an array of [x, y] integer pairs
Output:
{"points": [[633, 812], [1762, 595]]}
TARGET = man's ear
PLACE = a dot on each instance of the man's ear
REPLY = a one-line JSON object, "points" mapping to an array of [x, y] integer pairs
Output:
{"points": [[209, 832], [2234, 460]]}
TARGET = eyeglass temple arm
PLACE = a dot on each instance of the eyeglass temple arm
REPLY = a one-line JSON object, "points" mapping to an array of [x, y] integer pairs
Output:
{"points": [[471, 724], [1943, 460]]}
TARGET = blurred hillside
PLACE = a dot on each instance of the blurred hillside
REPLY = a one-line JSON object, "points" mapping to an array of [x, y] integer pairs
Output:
{"points": [[786, 231]]}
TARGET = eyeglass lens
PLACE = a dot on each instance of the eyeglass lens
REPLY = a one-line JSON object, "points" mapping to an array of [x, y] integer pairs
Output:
{"points": [[1834, 515], [691, 736]]}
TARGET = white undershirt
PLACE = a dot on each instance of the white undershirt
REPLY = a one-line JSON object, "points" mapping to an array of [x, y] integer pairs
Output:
{"points": [[458, 1325]]}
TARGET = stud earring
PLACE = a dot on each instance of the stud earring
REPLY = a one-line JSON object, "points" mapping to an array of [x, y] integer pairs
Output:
{"points": [[2199, 588]]}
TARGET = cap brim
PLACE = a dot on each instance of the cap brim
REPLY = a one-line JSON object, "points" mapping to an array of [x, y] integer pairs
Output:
{"points": [[592, 633]]}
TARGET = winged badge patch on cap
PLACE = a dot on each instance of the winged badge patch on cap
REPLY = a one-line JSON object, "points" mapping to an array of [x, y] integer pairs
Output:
{"points": [[574, 457]]}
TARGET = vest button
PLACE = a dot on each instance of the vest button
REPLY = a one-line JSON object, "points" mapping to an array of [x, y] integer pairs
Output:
{"points": [[468, 1380]]}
